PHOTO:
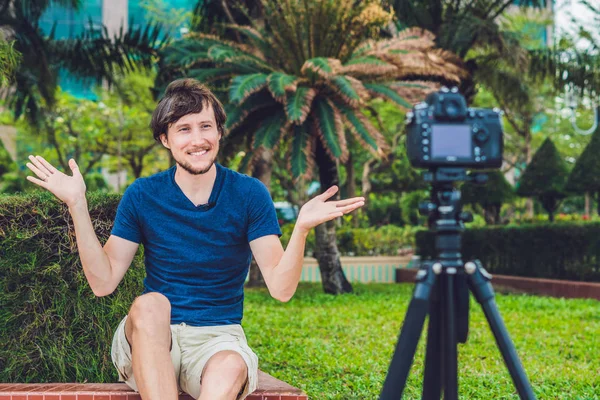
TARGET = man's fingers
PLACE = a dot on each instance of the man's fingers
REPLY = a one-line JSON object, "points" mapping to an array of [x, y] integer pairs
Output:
{"points": [[351, 207], [329, 193], [42, 175], [46, 164], [37, 182], [39, 166], [345, 202]]}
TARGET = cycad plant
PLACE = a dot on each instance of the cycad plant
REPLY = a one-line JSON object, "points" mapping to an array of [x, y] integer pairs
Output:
{"points": [[300, 82]]}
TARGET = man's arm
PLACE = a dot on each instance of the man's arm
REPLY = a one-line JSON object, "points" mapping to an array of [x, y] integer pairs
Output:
{"points": [[103, 268], [282, 269]]}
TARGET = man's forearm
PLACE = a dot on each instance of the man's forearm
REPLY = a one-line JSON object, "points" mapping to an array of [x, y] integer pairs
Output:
{"points": [[287, 273], [94, 260]]}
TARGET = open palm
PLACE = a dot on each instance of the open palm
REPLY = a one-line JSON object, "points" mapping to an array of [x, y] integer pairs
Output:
{"points": [[319, 210], [69, 189]]}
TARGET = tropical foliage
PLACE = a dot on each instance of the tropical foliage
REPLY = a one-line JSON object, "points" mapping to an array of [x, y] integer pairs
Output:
{"points": [[92, 54], [9, 60]]}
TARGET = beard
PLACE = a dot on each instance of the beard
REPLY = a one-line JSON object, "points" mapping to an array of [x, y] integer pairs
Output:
{"points": [[196, 171]]}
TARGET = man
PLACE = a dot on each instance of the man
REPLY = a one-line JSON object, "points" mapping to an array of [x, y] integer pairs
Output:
{"points": [[200, 223]]}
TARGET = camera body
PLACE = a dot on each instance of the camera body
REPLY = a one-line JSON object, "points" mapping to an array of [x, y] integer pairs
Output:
{"points": [[444, 132]]}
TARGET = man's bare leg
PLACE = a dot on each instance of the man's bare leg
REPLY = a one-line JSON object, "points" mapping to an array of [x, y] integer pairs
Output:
{"points": [[224, 376], [148, 331]]}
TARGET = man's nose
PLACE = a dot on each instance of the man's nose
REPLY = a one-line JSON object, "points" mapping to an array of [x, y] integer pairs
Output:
{"points": [[198, 136]]}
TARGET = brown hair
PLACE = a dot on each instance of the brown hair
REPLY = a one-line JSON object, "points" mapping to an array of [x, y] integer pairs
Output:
{"points": [[183, 97]]}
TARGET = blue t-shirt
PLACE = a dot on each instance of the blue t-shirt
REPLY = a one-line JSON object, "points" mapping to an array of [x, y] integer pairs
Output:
{"points": [[197, 256]]}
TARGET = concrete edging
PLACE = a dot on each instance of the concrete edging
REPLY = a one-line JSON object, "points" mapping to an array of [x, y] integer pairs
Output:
{"points": [[538, 286]]}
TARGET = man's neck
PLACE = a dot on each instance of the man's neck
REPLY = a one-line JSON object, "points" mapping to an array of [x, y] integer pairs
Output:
{"points": [[197, 188]]}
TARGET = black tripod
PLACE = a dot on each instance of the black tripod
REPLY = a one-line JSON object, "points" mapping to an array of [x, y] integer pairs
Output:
{"points": [[442, 290]]}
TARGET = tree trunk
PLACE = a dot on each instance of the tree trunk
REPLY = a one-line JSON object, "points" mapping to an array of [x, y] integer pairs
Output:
{"points": [[326, 251], [598, 199], [529, 203], [351, 186], [587, 205], [262, 171]]}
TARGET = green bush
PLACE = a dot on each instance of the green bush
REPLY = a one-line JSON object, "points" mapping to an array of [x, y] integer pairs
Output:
{"points": [[556, 251], [384, 240], [50, 321]]}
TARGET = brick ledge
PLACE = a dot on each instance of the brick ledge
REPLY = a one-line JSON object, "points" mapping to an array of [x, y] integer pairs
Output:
{"points": [[269, 388]]}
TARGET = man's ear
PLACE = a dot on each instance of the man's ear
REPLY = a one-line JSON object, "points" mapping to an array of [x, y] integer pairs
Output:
{"points": [[164, 140]]}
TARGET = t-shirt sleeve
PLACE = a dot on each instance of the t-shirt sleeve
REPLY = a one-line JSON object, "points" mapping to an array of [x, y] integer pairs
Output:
{"points": [[127, 223], [262, 218]]}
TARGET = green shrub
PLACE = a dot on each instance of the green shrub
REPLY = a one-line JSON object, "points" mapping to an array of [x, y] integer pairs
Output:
{"points": [[557, 251], [50, 321]]}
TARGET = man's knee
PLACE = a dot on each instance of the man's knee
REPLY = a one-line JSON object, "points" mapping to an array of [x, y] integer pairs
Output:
{"points": [[225, 372], [149, 312]]}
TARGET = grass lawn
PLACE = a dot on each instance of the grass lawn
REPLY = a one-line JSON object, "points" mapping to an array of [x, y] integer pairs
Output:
{"points": [[339, 347]]}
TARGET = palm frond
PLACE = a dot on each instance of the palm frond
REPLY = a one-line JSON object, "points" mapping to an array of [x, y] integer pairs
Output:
{"points": [[279, 83], [364, 132], [301, 160], [236, 114], [243, 86], [329, 128], [368, 66], [321, 67], [299, 103], [269, 132], [350, 90], [381, 90]]}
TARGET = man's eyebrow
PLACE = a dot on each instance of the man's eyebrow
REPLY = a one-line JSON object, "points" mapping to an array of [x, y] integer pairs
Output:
{"points": [[180, 124]]}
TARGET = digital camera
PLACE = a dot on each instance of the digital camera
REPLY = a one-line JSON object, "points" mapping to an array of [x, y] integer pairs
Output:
{"points": [[444, 132]]}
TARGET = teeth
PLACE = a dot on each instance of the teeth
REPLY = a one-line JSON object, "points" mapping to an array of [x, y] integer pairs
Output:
{"points": [[198, 153]]}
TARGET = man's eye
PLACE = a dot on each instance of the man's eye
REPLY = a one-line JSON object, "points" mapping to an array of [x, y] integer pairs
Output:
{"points": [[184, 129], [206, 126]]}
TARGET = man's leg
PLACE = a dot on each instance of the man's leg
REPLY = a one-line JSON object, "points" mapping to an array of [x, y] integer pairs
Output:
{"points": [[148, 330], [224, 376]]}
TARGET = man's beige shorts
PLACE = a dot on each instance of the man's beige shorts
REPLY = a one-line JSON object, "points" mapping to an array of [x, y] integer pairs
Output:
{"points": [[190, 351]]}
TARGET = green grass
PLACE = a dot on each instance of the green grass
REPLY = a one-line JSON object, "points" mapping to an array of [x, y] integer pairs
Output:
{"points": [[339, 347]]}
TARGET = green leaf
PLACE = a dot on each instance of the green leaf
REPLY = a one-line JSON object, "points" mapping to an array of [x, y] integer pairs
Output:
{"points": [[237, 113], [220, 53], [358, 127], [298, 104], [210, 74], [326, 127], [299, 160], [269, 132], [386, 91], [279, 83], [244, 85], [345, 89]]}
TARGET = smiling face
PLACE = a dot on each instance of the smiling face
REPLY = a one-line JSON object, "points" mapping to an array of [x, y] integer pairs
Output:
{"points": [[194, 141]]}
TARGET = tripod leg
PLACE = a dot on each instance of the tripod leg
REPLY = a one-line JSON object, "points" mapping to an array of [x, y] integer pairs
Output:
{"points": [[450, 342], [432, 375], [395, 380], [479, 283]]}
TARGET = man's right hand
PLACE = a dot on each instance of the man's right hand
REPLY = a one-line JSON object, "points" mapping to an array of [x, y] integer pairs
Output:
{"points": [[69, 189]]}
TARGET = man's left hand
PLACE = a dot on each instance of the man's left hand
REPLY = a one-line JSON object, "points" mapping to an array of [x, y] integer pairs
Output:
{"points": [[319, 210]]}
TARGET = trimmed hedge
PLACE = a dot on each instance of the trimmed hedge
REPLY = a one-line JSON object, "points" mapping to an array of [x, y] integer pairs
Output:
{"points": [[50, 321], [555, 251]]}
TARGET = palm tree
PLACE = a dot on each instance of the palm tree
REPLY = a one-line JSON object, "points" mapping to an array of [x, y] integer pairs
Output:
{"points": [[92, 54], [464, 25], [9, 60], [301, 82]]}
